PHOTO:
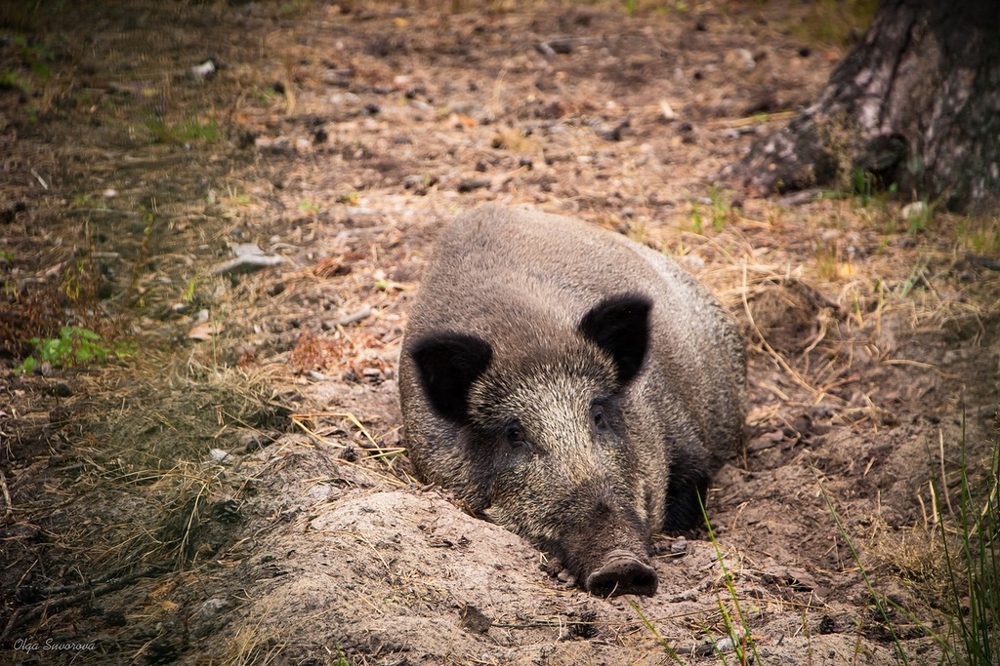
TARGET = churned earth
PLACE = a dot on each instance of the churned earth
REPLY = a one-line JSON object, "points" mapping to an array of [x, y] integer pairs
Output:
{"points": [[239, 198]]}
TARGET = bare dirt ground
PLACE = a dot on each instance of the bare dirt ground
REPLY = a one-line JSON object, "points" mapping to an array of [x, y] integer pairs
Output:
{"points": [[234, 489]]}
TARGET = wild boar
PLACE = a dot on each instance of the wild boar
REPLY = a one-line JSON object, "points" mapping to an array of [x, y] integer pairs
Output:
{"points": [[572, 385]]}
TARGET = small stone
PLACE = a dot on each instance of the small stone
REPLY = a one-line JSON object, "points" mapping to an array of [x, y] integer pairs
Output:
{"points": [[666, 111], [218, 455], [211, 607], [470, 184], [247, 264], [914, 210], [203, 71]]}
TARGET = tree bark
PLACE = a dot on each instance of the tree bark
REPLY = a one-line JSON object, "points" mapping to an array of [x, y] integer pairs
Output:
{"points": [[916, 103]]}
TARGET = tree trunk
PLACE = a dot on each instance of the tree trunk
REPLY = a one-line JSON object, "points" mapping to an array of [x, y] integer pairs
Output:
{"points": [[916, 103]]}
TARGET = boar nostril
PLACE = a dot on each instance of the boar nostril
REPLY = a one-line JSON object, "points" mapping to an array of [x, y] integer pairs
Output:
{"points": [[622, 575]]}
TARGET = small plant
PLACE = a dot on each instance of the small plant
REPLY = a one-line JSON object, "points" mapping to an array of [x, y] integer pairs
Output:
{"points": [[340, 659], [189, 291], [183, 132], [974, 571], [696, 220], [980, 235], [720, 209], [263, 96], [671, 652], [834, 21], [35, 56], [293, 8], [862, 185], [11, 80], [718, 212], [916, 278], [309, 207], [737, 627], [74, 346], [882, 604]]}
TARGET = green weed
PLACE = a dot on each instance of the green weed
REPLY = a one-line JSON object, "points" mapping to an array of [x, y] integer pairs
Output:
{"points": [[653, 630], [263, 96], [11, 80], [74, 346], [737, 627], [721, 212], [294, 8], [916, 278], [979, 235], [34, 55], [835, 21], [880, 601], [183, 132], [697, 223], [970, 541], [718, 212], [974, 571], [189, 291]]}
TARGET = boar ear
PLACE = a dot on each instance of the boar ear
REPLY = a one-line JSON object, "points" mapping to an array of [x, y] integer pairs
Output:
{"points": [[448, 363], [620, 326]]}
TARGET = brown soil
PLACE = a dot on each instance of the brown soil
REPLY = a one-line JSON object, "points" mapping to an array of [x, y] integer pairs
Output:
{"points": [[235, 491]]}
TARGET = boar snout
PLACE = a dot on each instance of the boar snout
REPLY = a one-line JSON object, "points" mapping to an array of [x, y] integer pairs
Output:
{"points": [[622, 573]]}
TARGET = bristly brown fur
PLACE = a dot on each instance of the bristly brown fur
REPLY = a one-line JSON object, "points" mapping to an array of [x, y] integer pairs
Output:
{"points": [[570, 384]]}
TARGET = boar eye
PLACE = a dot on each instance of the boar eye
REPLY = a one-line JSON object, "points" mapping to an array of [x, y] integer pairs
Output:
{"points": [[515, 435], [600, 420]]}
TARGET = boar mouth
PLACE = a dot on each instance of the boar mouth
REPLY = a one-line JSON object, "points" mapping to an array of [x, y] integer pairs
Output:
{"points": [[622, 573], [606, 549]]}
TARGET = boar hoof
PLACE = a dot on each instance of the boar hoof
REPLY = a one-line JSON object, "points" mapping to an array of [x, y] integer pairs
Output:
{"points": [[622, 573]]}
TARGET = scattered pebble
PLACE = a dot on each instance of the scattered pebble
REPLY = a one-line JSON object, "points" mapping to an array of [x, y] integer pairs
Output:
{"points": [[218, 455], [912, 211], [205, 330], [211, 607], [249, 258], [203, 71], [470, 184], [667, 111], [741, 59]]}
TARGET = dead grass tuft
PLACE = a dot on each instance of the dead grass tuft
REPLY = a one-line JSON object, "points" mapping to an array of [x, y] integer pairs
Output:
{"points": [[161, 418], [917, 558]]}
